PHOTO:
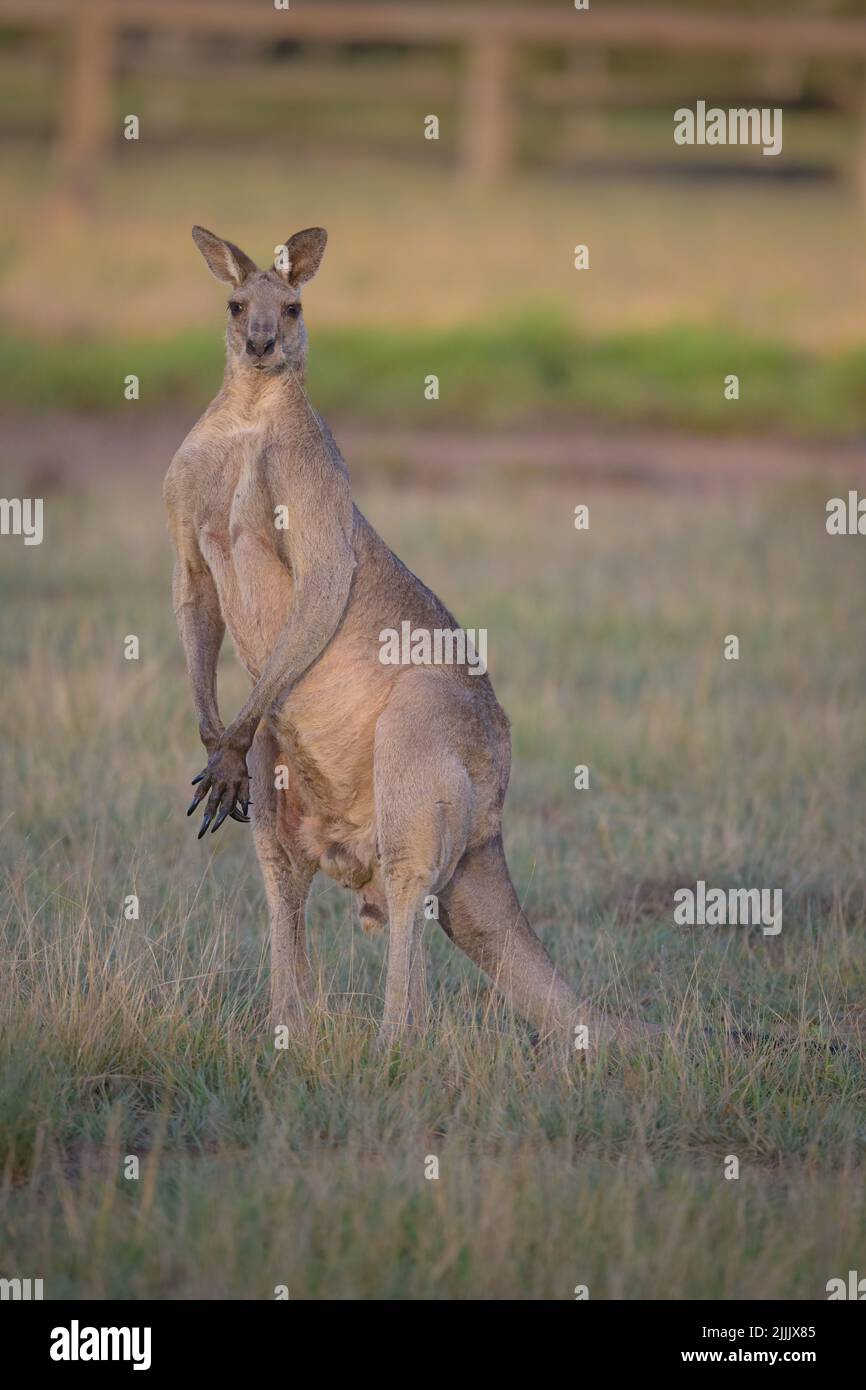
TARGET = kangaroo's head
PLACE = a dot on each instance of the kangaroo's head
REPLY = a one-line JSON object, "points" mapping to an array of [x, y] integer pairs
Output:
{"points": [[265, 330]]}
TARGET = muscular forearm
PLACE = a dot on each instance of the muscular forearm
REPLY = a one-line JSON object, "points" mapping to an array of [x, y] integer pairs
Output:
{"points": [[201, 629], [317, 610]]}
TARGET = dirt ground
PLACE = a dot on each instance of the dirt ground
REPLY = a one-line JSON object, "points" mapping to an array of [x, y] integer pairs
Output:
{"points": [[54, 450]]}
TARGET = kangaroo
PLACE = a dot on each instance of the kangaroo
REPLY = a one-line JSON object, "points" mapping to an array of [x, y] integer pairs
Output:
{"points": [[389, 778]]}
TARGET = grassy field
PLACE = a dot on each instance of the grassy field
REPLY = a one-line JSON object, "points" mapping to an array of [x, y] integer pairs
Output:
{"points": [[532, 369], [307, 1168], [425, 275]]}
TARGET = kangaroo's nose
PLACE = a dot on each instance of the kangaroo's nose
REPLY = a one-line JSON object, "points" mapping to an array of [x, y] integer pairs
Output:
{"points": [[259, 345]]}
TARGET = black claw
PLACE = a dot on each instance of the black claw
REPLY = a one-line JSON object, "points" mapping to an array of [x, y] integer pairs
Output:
{"points": [[236, 815], [204, 825], [198, 779], [226, 811], [245, 805]]}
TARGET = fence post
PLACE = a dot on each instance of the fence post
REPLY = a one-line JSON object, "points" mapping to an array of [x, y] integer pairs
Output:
{"points": [[486, 135], [85, 122], [584, 124]]}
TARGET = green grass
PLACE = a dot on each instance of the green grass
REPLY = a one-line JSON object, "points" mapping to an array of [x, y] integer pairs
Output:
{"points": [[531, 368], [306, 1167]]}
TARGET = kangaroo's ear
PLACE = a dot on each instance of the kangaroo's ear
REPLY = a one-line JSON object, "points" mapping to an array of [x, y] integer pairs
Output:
{"points": [[224, 260], [302, 257]]}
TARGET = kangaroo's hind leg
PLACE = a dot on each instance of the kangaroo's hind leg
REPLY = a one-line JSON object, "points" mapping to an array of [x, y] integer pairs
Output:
{"points": [[487, 922], [287, 872], [423, 810]]}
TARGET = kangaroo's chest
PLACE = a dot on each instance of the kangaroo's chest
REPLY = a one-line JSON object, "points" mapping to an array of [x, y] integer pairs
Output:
{"points": [[242, 540]]}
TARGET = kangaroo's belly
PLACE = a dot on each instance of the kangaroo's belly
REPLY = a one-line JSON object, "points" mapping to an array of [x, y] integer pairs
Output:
{"points": [[325, 729], [324, 738]]}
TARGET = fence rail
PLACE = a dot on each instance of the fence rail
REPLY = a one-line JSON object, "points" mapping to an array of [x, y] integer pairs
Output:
{"points": [[489, 37]]}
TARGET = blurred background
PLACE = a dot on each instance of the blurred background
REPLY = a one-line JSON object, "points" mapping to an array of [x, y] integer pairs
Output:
{"points": [[453, 254]]}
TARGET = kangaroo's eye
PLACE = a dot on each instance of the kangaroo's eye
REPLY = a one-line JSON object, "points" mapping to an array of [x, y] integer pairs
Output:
{"points": [[235, 307], [293, 310]]}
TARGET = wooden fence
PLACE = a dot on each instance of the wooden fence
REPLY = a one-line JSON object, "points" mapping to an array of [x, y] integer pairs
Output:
{"points": [[489, 37]]}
